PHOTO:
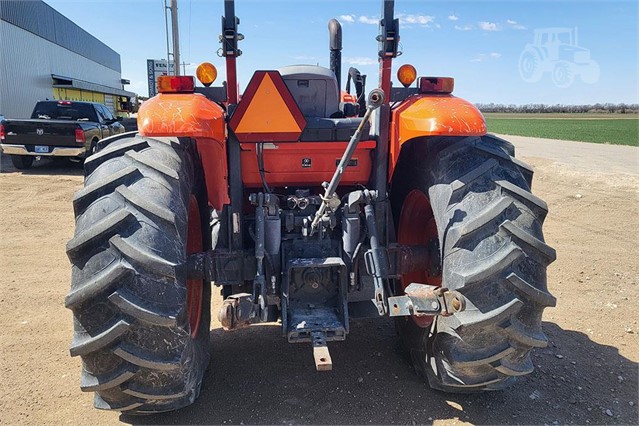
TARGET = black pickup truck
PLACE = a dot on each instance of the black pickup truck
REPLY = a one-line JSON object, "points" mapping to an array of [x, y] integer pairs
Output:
{"points": [[57, 129]]}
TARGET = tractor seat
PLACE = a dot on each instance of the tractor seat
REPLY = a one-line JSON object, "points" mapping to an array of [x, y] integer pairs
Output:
{"points": [[315, 90]]}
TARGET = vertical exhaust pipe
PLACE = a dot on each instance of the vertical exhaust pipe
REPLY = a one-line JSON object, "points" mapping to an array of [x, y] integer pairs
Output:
{"points": [[335, 45]]}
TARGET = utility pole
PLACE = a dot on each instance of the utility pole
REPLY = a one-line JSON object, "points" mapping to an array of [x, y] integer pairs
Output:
{"points": [[184, 64], [176, 36], [166, 31]]}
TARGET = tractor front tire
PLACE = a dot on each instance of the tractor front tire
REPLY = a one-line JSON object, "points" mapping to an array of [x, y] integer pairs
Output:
{"points": [[477, 198], [141, 327]]}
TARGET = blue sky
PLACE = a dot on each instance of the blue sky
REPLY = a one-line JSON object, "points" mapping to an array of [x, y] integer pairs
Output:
{"points": [[479, 42]]}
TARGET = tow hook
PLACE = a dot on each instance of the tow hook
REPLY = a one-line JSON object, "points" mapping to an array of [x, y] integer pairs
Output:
{"points": [[423, 299]]}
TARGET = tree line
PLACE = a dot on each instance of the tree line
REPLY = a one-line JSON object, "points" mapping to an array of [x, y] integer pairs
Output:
{"points": [[610, 108]]}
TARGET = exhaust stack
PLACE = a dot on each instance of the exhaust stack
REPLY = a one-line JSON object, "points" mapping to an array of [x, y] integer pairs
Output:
{"points": [[335, 45]]}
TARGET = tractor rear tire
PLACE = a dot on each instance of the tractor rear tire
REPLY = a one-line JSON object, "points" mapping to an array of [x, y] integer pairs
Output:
{"points": [[22, 162], [492, 250], [141, 327]]}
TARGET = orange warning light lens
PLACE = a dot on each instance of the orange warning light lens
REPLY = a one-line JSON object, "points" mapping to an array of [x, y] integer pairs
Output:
{"points": [[176, 84], [206, 73], [406, 74]]}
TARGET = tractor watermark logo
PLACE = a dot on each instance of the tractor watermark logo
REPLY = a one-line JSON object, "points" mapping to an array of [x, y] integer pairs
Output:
{"points": [[556, 51]]}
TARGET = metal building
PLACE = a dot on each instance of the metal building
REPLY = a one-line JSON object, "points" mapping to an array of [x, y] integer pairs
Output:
{"points": [[43, 55]]}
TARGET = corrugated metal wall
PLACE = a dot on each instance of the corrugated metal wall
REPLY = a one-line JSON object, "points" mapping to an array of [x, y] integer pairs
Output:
{"points": [[42, 20], [27, 62]]}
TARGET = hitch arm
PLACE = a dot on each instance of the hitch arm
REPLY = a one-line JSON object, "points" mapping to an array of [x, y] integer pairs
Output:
{"points": [[422, 299]]}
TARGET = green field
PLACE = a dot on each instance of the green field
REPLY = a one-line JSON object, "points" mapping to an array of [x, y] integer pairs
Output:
{"points": [[617, 129]]}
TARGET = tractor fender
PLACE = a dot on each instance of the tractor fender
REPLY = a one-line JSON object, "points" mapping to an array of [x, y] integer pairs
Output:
{"points": [[183, 115], [432, 115], [192, 115]]}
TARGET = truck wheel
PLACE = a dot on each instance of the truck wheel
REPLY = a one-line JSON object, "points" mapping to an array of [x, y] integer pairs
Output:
{"points": [[473, 197], [141, 327], [22, 162], [94, 147]]}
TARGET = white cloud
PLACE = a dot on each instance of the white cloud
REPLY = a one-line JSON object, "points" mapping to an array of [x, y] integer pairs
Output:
{"points": [[360, 60], [306, 58], [406, 20], [488, 26], [481, 57], [491, 26], [453, 17], [515, 25], [415, 19], [368, 21]]}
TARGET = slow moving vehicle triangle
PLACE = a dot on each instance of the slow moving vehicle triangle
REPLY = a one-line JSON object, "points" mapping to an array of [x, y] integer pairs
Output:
{"points": [[267, 112]]}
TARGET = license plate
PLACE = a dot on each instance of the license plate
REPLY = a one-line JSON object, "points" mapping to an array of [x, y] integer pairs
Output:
{"points": [[41, 149]]}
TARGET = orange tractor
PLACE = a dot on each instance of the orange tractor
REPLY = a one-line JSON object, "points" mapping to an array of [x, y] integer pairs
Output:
{"points": [[311, 206]]}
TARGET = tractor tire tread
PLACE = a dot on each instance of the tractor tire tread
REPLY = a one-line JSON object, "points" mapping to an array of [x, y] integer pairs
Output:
{"points": [[92, 383], [493, 253], [85, 343], [149, 361], [152, 164], [104, 228], [543, 252], [143, 259], [136, 197], [540, 297], [146, 206], [98, 284], [92, 192], [112, 151], [135, 309], [127, 404], [494, 148], [535, 204], [459, 234]]}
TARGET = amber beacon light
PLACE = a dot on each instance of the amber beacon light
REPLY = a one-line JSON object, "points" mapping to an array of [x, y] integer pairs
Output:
{"points": [[406, 74], [206, 73]]}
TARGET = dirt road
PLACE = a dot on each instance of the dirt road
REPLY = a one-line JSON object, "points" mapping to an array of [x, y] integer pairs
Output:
{"points": [[588, 373]]}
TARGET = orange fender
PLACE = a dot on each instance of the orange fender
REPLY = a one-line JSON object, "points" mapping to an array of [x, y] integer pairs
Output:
{"points": [[192, 115], [188, 115], [432, 115]]}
